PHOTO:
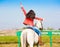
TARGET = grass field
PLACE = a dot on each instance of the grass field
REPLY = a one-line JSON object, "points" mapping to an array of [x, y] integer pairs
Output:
{"points": [[12, 41], [8, 39]]}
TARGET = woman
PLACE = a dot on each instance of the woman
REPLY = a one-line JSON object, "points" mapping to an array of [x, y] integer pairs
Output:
{"points": [[29, 21]]}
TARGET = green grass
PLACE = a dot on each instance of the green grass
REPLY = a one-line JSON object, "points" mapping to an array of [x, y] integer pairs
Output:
{"points": [[8, 39], [14, 39], [46, 38]]}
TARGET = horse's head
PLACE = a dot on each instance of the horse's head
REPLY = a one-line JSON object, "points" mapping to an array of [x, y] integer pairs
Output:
{"points": [[39, 24]]}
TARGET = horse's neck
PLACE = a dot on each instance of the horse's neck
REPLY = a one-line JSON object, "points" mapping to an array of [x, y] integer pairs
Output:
{"points": [[39, 24]]}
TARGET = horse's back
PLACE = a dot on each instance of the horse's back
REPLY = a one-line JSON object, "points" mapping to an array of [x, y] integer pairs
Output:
{"points": [[32, 37]]}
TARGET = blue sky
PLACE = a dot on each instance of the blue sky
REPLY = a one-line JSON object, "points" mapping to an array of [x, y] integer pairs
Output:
{"points": [[11, 16]]}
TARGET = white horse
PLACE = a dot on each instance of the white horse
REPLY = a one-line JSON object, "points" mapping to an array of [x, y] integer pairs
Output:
{"points": [[29, 36]]}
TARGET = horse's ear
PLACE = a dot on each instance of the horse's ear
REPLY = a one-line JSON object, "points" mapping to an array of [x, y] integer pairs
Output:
{"points": [[41, 27], [35, 24]]}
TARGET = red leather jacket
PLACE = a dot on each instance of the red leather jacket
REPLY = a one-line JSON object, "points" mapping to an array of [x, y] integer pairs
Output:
{"points": [[29, 21]]}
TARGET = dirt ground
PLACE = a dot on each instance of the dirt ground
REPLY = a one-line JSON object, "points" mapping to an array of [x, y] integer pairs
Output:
{"points": [[45, 45], [8, 45]]}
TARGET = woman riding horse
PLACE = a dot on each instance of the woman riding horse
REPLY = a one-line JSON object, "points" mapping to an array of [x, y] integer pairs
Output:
{"points": [[29, 21]]}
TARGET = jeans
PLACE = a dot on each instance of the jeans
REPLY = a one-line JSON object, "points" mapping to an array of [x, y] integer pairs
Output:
{"points": [[35, 29]]}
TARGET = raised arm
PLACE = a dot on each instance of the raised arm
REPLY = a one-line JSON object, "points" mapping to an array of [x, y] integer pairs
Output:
{"points": [[39, 18], [22, 8]]}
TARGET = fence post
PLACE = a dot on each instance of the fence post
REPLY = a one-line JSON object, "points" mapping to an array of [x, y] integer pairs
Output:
{"points": [[18, 35], [50, 35]]}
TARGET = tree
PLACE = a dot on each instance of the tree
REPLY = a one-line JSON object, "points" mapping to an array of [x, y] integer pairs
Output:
{"points": [[50, 28]]}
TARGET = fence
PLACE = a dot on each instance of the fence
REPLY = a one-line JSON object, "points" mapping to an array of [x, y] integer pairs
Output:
{"points": [[44, 32]]}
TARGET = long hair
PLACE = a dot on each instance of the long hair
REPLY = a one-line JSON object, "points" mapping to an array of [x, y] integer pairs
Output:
{"points": [[30, 14]]}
